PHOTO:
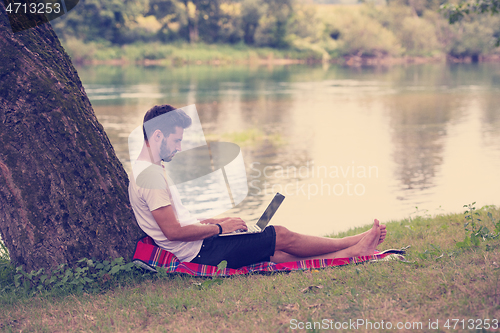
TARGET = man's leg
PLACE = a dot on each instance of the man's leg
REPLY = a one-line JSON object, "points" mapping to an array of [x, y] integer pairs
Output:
{"points": [[292, 246]]}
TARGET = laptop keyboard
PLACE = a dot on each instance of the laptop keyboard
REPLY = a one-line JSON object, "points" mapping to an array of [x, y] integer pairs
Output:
{"points": [[251, 229]]}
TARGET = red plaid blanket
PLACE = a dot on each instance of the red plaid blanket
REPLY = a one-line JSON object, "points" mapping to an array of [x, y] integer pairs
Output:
{"points": [[150, 256]]}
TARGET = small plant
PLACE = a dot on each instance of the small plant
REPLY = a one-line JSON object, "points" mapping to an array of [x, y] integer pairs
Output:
{"points": [[88, 275], [6, 269], [4, 253], [434, 252], [209, 282], [419, 214], [475, 233], [496, 224]]}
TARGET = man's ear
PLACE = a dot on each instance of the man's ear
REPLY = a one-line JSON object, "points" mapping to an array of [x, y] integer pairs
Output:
{"points": [[157, 135]]}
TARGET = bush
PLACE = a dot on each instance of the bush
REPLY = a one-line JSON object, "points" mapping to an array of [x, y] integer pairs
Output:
{"points": [[80, 51], [418, 37], [474, 36], [362, 35]]}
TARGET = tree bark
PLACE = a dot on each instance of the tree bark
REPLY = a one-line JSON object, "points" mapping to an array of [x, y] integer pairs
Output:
{"points": [[63, 191]]}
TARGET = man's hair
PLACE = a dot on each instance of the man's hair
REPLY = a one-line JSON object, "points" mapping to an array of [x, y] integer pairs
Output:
{"points": [[169, 120]]}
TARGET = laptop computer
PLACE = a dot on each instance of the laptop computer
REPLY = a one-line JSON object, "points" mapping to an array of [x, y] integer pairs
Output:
{"points": [[263, 220]]}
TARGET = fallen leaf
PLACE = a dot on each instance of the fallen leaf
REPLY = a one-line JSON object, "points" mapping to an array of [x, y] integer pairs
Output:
{"points": [[314, 305], [291, 307], [310, 288]]}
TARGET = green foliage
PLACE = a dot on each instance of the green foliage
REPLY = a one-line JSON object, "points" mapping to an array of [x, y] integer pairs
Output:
{"points": [[404, 27], [418, 37], [172, 17], [459, 12], [4, 252], [418, 7], [212, 281], [273, 27], [417, 34], [87, 275], [210, 20], [94, 20], [6, 271], [255, 22], [474, 35], [251, 13], [363, 35], [433, 252], [475, 233], [456, 12]]}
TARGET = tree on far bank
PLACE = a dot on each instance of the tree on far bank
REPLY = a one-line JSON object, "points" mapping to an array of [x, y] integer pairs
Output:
{"points": [[418, 7], [251, 12], [457, 12], [63, 191], [101, 20], [172, 16], [273, 27], [196, 20]]}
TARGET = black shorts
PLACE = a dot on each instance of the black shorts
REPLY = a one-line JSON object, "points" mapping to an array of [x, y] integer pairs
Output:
{"points": [[238, 251]]}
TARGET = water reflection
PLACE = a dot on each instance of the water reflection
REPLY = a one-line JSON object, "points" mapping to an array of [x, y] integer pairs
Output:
{"points": [[431, 132], [418, 130]]}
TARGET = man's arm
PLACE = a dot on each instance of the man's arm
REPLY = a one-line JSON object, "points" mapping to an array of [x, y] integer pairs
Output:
{"points": [[214, 221], [172, 229]]}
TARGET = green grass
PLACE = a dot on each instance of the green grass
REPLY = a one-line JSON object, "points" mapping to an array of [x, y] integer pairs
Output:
{"points": [[441, 282], [178, 54], [249, 137]]}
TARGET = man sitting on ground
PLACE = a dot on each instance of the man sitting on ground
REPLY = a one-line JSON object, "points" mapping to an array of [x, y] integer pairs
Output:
{"points": [[162, 216]]}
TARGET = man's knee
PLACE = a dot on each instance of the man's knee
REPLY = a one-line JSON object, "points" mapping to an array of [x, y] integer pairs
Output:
{"points": [[284, 237]]}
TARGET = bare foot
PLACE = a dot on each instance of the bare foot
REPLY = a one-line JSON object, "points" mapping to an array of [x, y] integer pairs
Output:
{"points": [[367, 245], [383, 232]]}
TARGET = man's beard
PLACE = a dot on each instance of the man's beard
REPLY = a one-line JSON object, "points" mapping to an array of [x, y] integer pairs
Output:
{"points": [[165, 154]]}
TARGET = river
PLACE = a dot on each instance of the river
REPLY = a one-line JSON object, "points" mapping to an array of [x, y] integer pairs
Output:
{"points": [[344, 145]]}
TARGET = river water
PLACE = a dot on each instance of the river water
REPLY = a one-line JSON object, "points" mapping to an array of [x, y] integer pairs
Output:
{"points": [[344, 145]]}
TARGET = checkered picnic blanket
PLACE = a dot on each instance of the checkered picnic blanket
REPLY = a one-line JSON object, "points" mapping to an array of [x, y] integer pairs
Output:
{"points": [[149, 256]]}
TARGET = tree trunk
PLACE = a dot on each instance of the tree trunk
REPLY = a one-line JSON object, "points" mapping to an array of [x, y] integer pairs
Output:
{"points": [[63, 191], [192, 18]]}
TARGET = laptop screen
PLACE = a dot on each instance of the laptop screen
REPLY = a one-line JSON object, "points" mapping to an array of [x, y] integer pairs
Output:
{"points": [[270, 210]]}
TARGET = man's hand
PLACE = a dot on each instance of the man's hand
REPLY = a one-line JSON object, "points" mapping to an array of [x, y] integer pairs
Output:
{"points": [[171, 228], [213, 221], [230, 224]]}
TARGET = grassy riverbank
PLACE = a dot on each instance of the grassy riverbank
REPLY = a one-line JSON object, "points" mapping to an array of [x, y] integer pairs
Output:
{"points": [[314, 33], [442, 281], [183, 54]]}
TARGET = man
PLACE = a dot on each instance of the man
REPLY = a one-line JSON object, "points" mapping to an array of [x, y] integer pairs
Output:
{"points": [[162, 216]]}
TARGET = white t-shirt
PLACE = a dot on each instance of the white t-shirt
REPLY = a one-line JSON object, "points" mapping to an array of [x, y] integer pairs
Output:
{"points": [[148, 190]]}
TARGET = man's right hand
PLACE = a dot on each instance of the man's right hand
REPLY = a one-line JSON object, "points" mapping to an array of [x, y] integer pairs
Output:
{"points": [[171, 228], [230, 224]]}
